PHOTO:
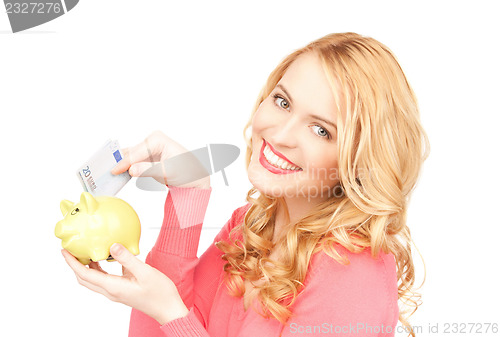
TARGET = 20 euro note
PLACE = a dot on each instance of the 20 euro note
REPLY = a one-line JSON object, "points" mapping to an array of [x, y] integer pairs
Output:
{"points": [[95, 174]]}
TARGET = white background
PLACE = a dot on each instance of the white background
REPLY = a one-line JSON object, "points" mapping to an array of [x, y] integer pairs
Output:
{"points": [[121, 69]]}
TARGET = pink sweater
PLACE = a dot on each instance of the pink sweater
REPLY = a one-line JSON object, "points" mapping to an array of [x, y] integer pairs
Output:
{"points": [[359, 299]]}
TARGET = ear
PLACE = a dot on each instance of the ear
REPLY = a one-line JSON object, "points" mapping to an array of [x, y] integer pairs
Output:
{"points": [[66, 206], [88, 202]]}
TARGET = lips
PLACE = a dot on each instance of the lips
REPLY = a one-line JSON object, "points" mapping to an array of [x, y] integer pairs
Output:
{"points": [[276, 170], [282, 156]]}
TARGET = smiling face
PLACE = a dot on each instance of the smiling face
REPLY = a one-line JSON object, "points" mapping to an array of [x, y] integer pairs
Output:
{"points": [[296, 122]]}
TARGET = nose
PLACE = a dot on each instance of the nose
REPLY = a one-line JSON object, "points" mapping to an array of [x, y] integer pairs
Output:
{"points": [[285, 135], [58, 230], [62, 231]]}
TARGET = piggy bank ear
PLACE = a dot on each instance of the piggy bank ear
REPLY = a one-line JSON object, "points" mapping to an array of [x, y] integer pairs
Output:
{"points": [[88, 202], [66, 206]]}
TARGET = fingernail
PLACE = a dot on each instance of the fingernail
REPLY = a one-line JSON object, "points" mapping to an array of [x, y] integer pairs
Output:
{"points": [[116, 249]]}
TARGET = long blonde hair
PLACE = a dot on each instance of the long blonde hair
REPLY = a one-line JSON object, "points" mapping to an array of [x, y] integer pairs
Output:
{"points": [[381, 150]]}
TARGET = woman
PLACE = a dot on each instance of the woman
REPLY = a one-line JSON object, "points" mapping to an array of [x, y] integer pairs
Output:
{"points": [[335, 151]]}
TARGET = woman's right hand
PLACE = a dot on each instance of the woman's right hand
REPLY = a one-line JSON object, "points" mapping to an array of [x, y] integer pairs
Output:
{"points": [[150, 159]]}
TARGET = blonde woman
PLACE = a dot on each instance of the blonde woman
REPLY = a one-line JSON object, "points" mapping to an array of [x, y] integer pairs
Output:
{"points": [[322, 246]]}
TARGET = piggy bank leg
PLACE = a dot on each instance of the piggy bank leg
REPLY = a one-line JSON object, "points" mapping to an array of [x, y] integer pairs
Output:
{"points": [[83, 260], [99, 254], [134, 249]]}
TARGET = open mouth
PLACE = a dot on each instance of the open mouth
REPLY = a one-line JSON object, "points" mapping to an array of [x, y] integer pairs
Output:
{"points": [[276, 163]]}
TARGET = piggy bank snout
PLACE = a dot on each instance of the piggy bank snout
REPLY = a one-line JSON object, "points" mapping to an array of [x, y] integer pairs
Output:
{"points": [[63, 230]]}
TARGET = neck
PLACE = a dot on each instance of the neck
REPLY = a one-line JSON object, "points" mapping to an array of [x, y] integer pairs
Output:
{"points": [[297, 208]]}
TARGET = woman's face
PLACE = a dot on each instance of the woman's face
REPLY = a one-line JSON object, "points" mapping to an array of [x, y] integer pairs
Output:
{"points": [[297, 122]]}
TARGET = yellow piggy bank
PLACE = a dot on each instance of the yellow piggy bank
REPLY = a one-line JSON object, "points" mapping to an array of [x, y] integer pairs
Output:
{"points": [[90, 227]]}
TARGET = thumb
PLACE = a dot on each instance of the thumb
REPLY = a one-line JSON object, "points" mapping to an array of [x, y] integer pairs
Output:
{"points": [[121, 167], [125, 257], [124, 164]]}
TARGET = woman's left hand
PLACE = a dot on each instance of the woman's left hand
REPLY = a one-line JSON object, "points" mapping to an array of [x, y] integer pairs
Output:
{"points": [[141, 286]]}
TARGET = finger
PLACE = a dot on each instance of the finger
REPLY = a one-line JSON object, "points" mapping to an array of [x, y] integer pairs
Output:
{"points": [[94, 288], [87, 274], [154, 170], [72, 262], [126, 273], [124, 164], [96, 266], [147, 151], [126, 259], [143, 169]]}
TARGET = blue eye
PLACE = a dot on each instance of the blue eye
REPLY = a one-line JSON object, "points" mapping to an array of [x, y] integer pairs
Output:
{"points": [[324, 133], [283, 103]]}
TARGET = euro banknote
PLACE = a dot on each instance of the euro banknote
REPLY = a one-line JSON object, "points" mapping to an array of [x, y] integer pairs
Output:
{"points": [[95, 174]]}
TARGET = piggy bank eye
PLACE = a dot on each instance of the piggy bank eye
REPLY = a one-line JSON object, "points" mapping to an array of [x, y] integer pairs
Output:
{"points": [[75, 211]]}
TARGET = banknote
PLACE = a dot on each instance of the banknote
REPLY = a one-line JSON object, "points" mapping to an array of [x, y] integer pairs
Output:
{"points": [[95, 174]]}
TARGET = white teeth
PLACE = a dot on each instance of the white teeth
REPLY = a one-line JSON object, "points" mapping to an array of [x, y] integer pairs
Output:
{"points": [[277, 161]]}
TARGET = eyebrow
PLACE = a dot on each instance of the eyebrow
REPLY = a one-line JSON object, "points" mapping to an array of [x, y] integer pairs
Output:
{"points": [[279, 85]]}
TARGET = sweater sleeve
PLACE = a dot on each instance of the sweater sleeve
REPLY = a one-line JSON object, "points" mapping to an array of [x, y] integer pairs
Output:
{"points": [[174, 254]]}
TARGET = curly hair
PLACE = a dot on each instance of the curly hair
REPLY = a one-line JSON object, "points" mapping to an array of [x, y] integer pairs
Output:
{"points": [[382, 147]]}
